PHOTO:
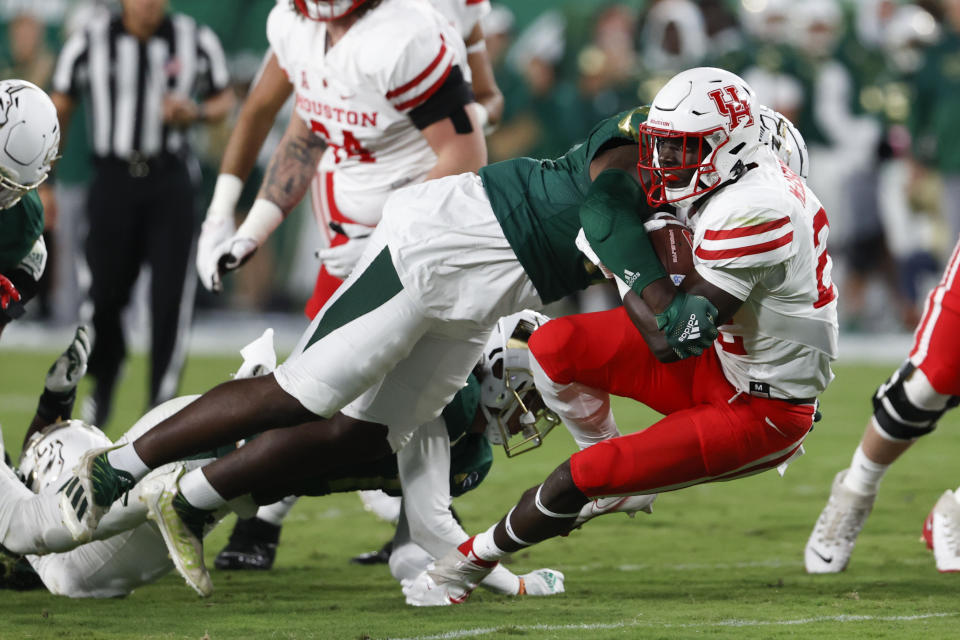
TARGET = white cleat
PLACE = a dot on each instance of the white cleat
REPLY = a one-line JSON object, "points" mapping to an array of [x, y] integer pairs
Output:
{"points": [[449, 580], [79, 510], [185, 549], [542, 582], [941, 530], [626, 504], [831, 542]]}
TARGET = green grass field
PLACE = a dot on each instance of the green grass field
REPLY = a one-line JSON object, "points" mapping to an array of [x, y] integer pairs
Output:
{"points": [[720, 560]]}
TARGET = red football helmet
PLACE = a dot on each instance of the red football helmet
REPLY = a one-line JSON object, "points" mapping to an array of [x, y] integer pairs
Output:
{"points": [[325, 10]]}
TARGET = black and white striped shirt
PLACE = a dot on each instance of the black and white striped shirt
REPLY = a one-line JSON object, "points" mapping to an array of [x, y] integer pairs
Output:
{"points": [[125, 81]]}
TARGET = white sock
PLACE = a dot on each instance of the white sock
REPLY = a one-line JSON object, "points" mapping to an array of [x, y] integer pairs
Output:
{"points": [[126, 459], [864, 474], [502, 580], [198, 491], [276, 512], [485, 548]]}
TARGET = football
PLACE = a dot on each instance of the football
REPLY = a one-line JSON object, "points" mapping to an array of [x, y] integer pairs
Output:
{"points": [[673, 242]]}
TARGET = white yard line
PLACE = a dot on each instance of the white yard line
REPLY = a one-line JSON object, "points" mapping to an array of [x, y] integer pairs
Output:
{"points": [[470, 633]]}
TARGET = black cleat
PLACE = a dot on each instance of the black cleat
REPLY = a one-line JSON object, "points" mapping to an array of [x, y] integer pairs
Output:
{"points": [[252, 546], [382, 556]]}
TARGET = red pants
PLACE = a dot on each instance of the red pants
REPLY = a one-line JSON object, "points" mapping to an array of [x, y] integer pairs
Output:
{"points": [[936, 343], [326, 284], [709, 432]]}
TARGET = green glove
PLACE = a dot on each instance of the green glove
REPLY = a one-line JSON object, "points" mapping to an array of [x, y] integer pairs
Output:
{"points": [[690, 324]]}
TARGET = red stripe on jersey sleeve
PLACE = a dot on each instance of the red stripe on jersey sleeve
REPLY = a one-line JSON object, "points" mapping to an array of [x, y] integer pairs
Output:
{"points": [[469, 2], [409, 104], [423, 74], [749, 250], [742, 232]]}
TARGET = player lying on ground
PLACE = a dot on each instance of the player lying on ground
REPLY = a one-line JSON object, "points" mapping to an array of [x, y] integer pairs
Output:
{"points": [[29, 141], [906, 407], [504, 400], [745, 406], [127, 551], [396, 342]]}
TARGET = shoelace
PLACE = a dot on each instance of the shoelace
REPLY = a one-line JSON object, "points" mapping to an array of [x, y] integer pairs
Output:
{"points": [[844, 526], [109, 483]]}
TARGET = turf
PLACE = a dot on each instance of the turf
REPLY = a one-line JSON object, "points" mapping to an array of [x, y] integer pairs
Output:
{"points": [[721, 560]]}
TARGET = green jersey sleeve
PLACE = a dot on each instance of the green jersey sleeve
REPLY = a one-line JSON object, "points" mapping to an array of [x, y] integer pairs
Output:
{"points": [[20, 226], [613, 224]]}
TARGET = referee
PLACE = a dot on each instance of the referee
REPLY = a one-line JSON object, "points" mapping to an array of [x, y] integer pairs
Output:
{"points": [[147, 76]]}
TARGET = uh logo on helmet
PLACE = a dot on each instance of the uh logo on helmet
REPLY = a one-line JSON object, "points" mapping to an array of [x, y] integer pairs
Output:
{"points": [[701, 131], [29, 139], [326, 10]]}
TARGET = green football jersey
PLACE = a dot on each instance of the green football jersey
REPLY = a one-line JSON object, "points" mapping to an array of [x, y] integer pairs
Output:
{"points": [[537, 203], [20, 226]]}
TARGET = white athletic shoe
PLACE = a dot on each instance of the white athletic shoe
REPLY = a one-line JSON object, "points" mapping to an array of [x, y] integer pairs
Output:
{"points": [[542, 582], [79, 508], [185, 549], [449, 580], [835, 533], [627, 504], [941, 530]]}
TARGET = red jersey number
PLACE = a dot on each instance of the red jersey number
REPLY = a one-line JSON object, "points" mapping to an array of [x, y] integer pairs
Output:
{"points": [[351, 147]]}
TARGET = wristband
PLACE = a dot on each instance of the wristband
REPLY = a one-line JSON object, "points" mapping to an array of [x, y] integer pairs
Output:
{"points": [[477, 47], [56, 406], [226, 194], [264, 217]]}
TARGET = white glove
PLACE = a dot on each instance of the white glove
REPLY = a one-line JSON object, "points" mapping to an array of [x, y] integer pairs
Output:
{"points": [[213, 233], [341, 260], [67, 370], [259, 357], [542, 582], [232, 253], [217, 228], [229, 255]]}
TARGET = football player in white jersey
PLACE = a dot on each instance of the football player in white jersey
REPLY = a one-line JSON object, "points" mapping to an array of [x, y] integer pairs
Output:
{"points": [[739, 408], [393, 140], [127, 551], [414, 135]]}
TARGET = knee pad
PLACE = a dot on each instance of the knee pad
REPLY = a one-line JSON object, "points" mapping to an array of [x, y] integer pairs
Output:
{"points": [[907, 406]]}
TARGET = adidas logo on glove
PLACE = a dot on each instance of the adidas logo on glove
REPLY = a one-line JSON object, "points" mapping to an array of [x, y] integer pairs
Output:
{"points": [[692, 330]]}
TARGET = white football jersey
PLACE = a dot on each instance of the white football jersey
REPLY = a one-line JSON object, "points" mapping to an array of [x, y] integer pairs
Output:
{"points": [[463, 14], [358, 95], [763, 239]]}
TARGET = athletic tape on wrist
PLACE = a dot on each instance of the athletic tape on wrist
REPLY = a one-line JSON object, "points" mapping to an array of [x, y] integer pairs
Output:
{"points": [[226, 194], [547, 512], [477, 47], [264, 217], [513, 536]]}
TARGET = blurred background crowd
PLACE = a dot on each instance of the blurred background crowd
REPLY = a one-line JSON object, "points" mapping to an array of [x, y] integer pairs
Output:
{"points": [[873, 85]]}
